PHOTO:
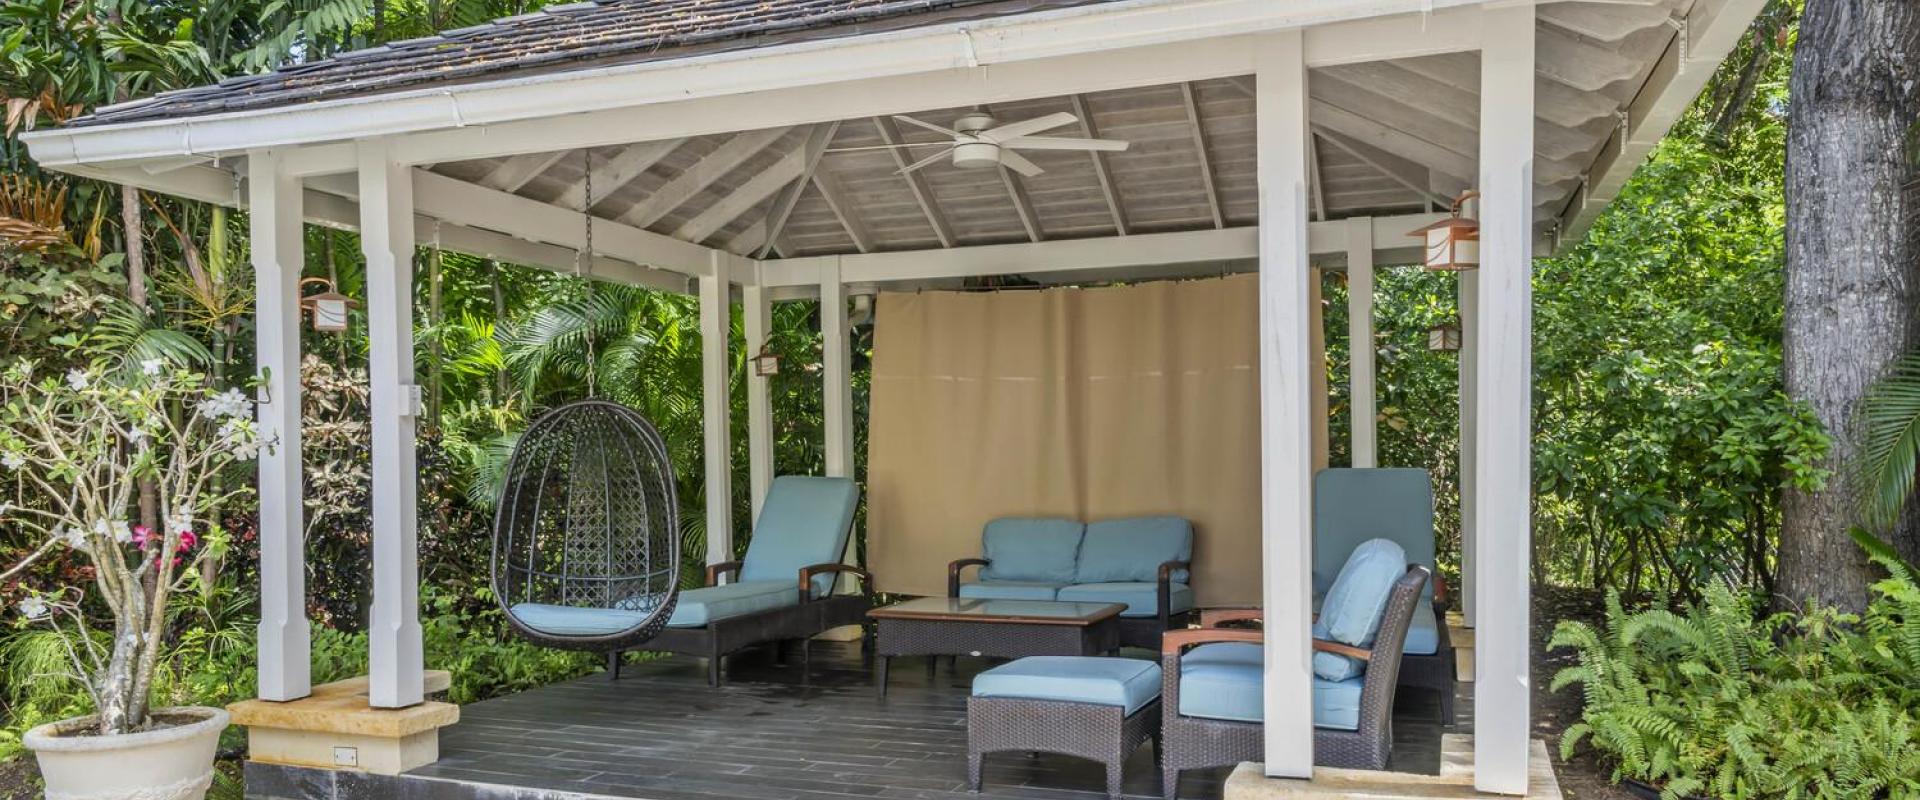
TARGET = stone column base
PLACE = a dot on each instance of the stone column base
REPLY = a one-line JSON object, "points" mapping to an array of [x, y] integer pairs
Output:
{"points": [[336, 728], [1249, 780]]}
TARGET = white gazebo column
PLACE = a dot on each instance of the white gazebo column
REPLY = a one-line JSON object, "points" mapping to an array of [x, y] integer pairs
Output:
{"points": [[757, 322], [1502, 381], [1469, 293], [716, 324], [274, 198], [1360, 369], [395, 668], [1286, 378], [838, 372]]}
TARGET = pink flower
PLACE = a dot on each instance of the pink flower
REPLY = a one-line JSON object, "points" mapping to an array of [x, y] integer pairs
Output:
{"points": [[141, 535], [188, 540]]}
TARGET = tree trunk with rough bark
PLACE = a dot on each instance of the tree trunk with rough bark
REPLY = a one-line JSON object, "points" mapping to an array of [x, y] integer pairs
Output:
{"points": [[1853, 265]]}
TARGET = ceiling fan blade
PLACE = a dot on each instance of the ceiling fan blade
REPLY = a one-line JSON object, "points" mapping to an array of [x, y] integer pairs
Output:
{"points": [[1015, 130], [929, 126], [1065, 143], [873, 147], [1018, 163], [925, 161]]}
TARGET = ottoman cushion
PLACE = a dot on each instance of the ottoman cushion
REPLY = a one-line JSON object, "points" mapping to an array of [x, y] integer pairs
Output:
{"points": [[1123, 682]]}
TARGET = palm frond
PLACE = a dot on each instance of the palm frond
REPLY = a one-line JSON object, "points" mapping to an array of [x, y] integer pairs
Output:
{"points": [[1890, 442]]}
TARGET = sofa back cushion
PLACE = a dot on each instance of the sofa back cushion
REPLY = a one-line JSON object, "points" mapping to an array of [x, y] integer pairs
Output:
{"points": [[1132, 549], [1351, 506], [805, 521], [1354, 606], [1031, 549]]}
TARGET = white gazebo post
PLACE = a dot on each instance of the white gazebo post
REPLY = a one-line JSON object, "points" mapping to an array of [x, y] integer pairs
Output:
{"points": [[274, 198], [757, 322], [1360, 394], [1503, 381], [395, 658], [716, 324], [1286, 456], [838, 372], [1469, 294]]}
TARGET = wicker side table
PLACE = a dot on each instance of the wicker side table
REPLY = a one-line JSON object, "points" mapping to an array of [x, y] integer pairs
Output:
{"points": [[1102, 733]]}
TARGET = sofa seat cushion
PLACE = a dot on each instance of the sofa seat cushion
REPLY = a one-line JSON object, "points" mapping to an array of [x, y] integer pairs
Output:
{"points": [[700, 607], [1023, 549], [1133, 548], [1009, 590], [1125, 682], [574, 620], [1423, 632], [1224, 681], [1141, 599]]}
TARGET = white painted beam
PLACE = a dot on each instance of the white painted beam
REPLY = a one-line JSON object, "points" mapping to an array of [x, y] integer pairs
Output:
{"points": [[837, 372], [519, 170], [789, 170], [815, 149], [1197, 126], [716, 323], [1360, 394], [757, 324], [1503, 462], [1022, 205], [1469, 294], [612, 174], [724, 159], [1286, 457], [1108, 190], [284, 635], [395, 670], [917, 183], [1410, 174], [843, 209]]}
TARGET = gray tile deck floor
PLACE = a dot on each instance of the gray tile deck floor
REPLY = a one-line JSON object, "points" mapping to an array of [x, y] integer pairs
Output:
{"points": [[660, 733]]}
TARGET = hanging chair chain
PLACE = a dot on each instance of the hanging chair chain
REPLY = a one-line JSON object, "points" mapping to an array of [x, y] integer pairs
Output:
{"points": [[582, 265]]}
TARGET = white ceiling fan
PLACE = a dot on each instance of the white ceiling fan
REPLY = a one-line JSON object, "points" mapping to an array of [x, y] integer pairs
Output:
{"points": [[977, 140]]}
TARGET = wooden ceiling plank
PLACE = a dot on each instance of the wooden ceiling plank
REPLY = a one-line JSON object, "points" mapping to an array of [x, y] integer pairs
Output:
{"points": [[843, 209], [1200, 149], [517, 171], [813, 151], [1100, 170], [789, 170], [611, 175], [1582, 65], [923, 194], [1401, 171], [724, 159], [1022, 205], [1604, 21]]}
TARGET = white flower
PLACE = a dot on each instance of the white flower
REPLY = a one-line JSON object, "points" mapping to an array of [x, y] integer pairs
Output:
{"points": [[73, 537], [180, 520], [33, 608], [116, 530], [13, 460], [4, 508], [152, 366], [78, 379], [231, 403], [136, 435]]}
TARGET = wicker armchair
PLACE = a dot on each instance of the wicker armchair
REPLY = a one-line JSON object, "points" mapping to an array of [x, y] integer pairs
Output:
{"points": [[1196, 742]]}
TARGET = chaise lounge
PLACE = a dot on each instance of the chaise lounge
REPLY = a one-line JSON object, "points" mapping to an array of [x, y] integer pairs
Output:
{"points": [[783, 588], [1140, 562]]}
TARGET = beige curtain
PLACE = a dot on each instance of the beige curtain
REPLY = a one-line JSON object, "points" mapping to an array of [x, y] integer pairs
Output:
{"points": [[1084, 403]]}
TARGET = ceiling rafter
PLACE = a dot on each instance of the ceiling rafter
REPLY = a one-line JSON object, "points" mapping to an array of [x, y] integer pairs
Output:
{"points": [[922, 193], [782, 210], [683, 187], [1022, 205], [825, 182], [1319, 196], [1100, 170], [517, 171], [612, 174], [1200, 149], [1401, 171]]}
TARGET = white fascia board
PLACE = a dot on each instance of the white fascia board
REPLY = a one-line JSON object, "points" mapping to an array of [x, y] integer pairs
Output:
{"points": [[960, 47]]}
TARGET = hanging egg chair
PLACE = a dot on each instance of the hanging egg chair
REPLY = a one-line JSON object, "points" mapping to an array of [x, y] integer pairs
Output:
{"points": [[586, 545]]}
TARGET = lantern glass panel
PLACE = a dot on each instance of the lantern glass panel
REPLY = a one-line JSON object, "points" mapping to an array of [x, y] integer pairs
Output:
{"points": [[330, 314]]}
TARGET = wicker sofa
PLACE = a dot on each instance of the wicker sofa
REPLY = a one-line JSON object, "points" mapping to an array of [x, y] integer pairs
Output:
{"points": [[1212, 697], [1140, 562], [1353, 505]]}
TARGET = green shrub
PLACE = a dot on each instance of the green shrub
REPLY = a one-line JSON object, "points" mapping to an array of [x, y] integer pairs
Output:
{"points": [[1719, 701]]}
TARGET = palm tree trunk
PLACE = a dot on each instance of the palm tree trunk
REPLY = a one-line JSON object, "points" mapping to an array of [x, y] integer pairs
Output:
{"points": [[1853, 265]]}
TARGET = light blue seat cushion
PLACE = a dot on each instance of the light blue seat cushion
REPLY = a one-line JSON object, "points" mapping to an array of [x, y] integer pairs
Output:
{"points": [[1009, 590], [805, 521], [1132, 549], [701, 606], [1031, 549], [575, 621], [1125, 682], [1223, 681], [1351, 506], [1351, 612], [1423, 632], [1141, 599]]}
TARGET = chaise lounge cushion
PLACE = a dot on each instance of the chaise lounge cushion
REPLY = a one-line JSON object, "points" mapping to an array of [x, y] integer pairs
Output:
{"points": [[1124, 682], [805, 521], [1351, 506], [699, 607], [1352, 610], [1141, 599], [1132, 549], [1010, 590], [1031, 549], [1224, 681]]}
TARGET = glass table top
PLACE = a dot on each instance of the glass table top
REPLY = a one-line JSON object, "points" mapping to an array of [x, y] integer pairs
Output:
{"points": [[961, 609]]}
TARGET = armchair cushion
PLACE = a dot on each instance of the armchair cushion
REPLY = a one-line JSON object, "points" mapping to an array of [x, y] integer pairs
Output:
{"points": [[1224, 681], [1125, 682], [1031, 549], [1351, 612], [699, 607], [1141, 599], [804, 521], [1010, 590], [1351, 506], [1336, 704], [1132, 549], [1423, 632]]}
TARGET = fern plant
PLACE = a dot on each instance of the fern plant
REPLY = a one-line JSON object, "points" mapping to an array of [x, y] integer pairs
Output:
{"points": [[1716, 701]]}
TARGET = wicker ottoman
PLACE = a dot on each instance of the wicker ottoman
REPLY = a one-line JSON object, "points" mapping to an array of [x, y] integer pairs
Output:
{"points": [[1085, 706]]}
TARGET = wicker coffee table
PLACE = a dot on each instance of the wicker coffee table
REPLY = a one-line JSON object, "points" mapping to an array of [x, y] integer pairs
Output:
{"points": [[959, 626]]}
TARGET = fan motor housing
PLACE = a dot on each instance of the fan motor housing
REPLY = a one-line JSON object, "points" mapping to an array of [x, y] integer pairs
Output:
{"points": [[976, 155]]}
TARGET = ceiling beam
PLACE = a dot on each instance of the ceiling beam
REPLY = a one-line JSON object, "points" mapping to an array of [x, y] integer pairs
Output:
{"points": [[790, 169], [1198, 127], [1400, 143], [613, 174], [676, 192], [1319, 196], [1022, 206], [518, 170], [1100, 170], [1402, 171], [922, 194], [816, 148], [843, 209]]}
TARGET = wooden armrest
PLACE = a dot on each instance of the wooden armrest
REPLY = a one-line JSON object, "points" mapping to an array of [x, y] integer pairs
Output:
{"points": [[714, 571], [1324, 646], [808, 572], [954, 569], [1212, 617], [1441, 597], [1167, 568], [1172, 642]]}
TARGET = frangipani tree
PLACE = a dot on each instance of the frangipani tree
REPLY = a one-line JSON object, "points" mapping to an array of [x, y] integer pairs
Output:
{"points": [[75, 447]]}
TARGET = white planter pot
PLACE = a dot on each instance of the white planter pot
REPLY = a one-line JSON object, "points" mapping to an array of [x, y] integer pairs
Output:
{"points": [[171, 763]]}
